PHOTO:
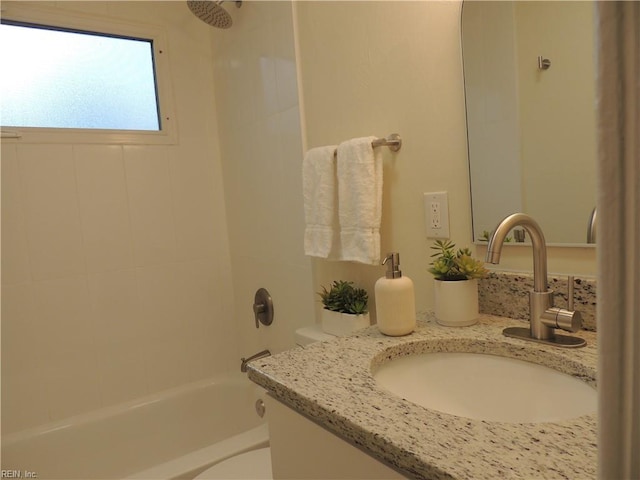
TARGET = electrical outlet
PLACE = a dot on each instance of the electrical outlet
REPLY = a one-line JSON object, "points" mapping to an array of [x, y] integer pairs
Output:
{"points": [[435, 215], [436, 211]]}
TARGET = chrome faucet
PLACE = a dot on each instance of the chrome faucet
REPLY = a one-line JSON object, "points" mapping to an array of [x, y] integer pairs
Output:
{"points": [[544, 318]]}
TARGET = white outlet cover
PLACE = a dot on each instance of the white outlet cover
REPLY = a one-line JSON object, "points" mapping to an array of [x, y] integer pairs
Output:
{"points": [[433, 230]]}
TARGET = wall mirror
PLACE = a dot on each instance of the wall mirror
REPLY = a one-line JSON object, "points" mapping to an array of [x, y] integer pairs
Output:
{"points": [[529, 71]]}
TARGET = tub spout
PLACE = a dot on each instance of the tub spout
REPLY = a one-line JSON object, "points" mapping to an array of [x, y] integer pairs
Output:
{"points": [[245, 361]]}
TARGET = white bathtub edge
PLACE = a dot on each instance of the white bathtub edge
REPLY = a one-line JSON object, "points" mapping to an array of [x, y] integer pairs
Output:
{"points": [[11, 438], [257, 437]]}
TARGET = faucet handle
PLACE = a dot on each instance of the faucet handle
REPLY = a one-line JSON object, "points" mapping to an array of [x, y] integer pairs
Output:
{"points": [[565, 318], [568, 320]]}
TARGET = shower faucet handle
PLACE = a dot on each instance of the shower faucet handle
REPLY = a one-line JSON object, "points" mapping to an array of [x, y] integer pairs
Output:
{"points": [[263, 307], [258, 308]]}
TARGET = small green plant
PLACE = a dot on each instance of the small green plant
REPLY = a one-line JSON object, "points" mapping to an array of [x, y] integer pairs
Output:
{"points": [[452, 265], [344, 297]]}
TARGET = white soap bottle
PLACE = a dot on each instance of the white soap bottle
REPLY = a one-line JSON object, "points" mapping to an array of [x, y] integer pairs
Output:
{"points": [[395, 300]]}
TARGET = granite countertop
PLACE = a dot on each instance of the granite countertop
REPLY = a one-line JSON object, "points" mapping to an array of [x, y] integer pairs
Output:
{"points": [[331, 383]]}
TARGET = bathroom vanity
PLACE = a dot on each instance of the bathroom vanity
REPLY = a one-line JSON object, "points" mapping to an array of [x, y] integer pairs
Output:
{"points": [[325, 396]]}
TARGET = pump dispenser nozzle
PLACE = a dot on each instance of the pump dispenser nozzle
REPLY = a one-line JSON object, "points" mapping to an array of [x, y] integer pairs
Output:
{"points": [[393, 267]]}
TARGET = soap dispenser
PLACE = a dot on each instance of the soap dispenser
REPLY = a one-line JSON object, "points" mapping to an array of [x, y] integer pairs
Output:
{"points": [[395, 300]]}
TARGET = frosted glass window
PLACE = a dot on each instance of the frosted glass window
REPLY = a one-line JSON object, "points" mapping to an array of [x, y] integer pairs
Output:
{"points": [[59, 78]]}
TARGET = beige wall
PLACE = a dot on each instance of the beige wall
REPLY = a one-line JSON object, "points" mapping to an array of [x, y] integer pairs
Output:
{"points": [[373, 68], [116, 267]]}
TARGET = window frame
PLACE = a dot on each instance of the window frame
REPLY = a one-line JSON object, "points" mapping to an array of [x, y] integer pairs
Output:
{"points": [[55, 18]]}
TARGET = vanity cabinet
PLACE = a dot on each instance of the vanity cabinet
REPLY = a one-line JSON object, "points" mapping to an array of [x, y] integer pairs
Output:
{"points": [[302, 449]]}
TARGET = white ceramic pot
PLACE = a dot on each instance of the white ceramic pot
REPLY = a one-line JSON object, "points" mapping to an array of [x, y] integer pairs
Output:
{"points": [[456, 303], [340, 324]]}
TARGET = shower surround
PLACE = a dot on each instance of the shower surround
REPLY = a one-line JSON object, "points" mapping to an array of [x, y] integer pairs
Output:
{"points": [[116, 266]]}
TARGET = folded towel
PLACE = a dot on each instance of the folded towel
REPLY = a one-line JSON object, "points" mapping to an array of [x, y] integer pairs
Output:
{"points": [[359, 168], [319, 187]]}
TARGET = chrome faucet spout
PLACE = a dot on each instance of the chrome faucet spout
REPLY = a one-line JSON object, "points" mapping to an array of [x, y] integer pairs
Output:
{"points": [[494, 249], [544, 318]]}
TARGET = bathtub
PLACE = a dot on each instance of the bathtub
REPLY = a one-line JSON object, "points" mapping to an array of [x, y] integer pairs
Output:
{"points": [[175, 434]]}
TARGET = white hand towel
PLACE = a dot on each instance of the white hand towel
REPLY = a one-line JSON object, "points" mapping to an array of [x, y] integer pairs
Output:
{"points": [[359, 200], [319, 186]]}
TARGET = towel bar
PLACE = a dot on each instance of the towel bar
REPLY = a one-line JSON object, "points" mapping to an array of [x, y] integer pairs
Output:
{"points": [[393, 141]]}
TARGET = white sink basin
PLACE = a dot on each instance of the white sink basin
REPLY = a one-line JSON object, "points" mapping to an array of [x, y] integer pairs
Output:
{"points": [[487, 387]]}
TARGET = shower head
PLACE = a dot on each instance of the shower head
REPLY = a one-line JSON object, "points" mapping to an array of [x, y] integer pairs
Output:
{"points": [[211, 12]]}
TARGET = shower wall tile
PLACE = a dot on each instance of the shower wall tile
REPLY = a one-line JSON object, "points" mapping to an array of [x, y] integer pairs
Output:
{"points": [[23, 381], [238, 101], [194, 197], [291, 221], [285, 63], [261, 62], [168, 325], [104, 208], [20, 332], [15, 257], [158, 291], [276, 11], [252, 204], [150, 203], [260, 193], [63, 313], [206, 328], [52, 216], [119, 335], [194, 106], [220, 332], [249, 19], [224, 83]]}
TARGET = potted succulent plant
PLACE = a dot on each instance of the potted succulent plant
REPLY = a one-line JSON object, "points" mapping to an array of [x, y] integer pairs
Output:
{"points": [[345, 308], [456, 275]]}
